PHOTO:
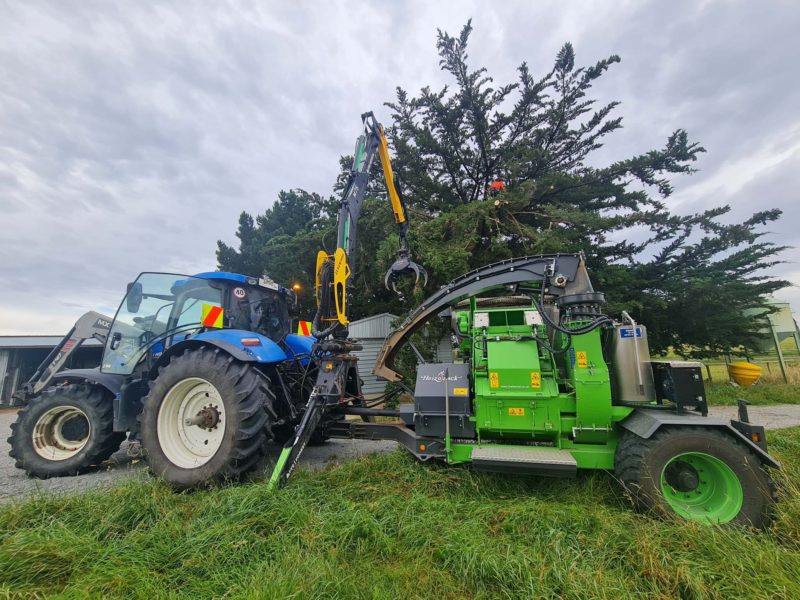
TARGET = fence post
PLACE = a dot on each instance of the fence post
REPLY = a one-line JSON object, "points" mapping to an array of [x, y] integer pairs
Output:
{"points": [[708, 370], [781, 362]]}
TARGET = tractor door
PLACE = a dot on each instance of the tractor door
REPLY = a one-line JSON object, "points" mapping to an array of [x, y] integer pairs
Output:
{"points": [[159, 310]]}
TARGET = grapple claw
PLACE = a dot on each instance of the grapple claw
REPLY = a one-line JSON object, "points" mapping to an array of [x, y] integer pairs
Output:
{"points": [[404, 266]]}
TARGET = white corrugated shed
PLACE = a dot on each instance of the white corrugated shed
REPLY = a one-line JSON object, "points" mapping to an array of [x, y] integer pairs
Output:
{"points": [[371, 332], [374, 327]]}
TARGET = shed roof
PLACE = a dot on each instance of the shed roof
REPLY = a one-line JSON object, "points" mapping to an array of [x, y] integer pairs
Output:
{"points": [[37, 341], [376, 326]]}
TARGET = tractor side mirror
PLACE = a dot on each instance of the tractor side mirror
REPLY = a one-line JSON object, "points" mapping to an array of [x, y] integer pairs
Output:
{"points": [[133, 300], [116, 338]]}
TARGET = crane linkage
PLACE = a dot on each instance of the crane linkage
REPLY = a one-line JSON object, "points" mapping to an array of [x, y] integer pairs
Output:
{"points": [[334, 283], [337, 380]]}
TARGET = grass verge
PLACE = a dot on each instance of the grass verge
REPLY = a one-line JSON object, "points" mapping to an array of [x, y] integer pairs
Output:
{"points": [[721, 394], [387, 527]]}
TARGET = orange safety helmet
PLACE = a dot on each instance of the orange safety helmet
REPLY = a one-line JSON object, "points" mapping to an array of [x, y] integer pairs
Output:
{"points": [[496, 187]]}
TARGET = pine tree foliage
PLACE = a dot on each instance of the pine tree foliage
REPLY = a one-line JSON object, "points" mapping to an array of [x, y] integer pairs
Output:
{"points": [[688, 277]]}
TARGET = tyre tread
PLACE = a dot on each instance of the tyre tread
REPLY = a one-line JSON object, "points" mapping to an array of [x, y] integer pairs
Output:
{"points": [[98, 402]]}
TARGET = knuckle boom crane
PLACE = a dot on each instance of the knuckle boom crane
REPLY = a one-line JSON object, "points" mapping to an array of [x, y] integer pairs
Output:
{"points": [[337, 380]]}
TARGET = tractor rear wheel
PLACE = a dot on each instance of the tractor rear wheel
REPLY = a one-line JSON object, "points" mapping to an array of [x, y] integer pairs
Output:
{"points": [[66, 430], [698, 474], [206, 420]]}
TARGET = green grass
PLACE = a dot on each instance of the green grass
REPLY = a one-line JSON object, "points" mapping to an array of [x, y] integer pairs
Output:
{"points": [[762, 393], [388, 527]]}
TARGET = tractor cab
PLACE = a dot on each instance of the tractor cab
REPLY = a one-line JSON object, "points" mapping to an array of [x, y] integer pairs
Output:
{"points": [[162, 309]]}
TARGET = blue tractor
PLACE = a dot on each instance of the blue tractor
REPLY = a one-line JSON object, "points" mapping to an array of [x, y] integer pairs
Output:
{"points": [[204, 370]]}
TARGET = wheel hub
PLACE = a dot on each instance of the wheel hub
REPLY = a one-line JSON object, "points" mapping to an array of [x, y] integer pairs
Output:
{"points": [[206, 418], [701, 487], [682, 476]]}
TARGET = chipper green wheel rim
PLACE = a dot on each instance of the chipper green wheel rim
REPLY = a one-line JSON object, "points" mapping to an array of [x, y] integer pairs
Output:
{"points": [[700, 487]]}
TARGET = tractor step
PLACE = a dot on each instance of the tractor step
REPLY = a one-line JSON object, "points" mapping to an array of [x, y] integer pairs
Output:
{"points": [[535, 461]]}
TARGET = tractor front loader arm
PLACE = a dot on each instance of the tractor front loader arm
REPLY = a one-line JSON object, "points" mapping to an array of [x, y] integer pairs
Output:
{"points": [[91, 325]]}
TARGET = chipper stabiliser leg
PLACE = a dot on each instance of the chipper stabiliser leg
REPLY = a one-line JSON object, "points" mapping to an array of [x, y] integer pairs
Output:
{"points": [[337, 366], [287, 461]]}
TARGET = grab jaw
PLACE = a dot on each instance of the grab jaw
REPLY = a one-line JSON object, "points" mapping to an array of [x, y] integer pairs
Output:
{"points": [[404, 266]]}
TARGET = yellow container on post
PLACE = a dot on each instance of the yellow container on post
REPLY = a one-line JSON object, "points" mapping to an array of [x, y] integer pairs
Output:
{"points": [[744, 373]]}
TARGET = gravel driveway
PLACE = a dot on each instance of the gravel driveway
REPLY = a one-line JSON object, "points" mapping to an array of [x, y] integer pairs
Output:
{"points": [[15, 484]]}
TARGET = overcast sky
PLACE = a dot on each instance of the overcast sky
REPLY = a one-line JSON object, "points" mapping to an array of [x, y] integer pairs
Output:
{"points": [[132, 134]]}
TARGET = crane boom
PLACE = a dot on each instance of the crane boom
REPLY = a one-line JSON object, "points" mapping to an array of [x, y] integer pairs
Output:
{"points": [[337, 380], [334, 271]]}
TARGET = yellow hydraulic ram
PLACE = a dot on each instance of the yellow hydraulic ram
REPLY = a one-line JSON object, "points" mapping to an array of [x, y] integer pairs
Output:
{"points": [[334, 270]]}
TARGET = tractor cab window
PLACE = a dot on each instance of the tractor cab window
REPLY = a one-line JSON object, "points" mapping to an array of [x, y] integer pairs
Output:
{"points": [[159, 309], [260, 310]]}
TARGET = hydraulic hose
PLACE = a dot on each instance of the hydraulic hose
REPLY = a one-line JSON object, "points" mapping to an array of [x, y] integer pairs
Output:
{"points": [[323, 303]]}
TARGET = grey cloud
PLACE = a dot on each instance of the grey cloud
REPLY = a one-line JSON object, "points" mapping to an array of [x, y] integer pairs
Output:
{"points": [[132, 134]]}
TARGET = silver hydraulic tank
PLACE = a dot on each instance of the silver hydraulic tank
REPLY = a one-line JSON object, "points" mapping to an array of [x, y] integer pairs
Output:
{"points": [[631, 373]]}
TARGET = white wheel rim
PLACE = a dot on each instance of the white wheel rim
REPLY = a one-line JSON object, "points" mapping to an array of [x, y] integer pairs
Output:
{"points": [[189, 445], [49, 440]]}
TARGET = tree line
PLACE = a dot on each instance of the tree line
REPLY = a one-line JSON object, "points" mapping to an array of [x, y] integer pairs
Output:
{"points": [[689, 277]]}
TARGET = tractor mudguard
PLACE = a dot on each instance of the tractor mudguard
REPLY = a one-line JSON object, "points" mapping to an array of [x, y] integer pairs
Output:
{"points": [[300, 346], [111, 381], [124, 411], [257, 348], [645, 422]]}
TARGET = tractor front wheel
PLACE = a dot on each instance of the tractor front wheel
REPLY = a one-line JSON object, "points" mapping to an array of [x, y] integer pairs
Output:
{"points": [[206, 420], [698, 474], [66, 430]]}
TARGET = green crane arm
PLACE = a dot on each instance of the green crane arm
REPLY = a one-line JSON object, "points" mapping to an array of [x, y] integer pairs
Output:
{"points": [[333, 271]]}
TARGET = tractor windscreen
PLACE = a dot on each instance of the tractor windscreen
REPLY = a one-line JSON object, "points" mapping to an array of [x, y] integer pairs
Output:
{"points": [[158, 310]]}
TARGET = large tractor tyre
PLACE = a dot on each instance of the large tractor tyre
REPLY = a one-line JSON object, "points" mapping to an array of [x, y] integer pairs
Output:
{"points": [[698, 474], [206, 420], [66, 430]]}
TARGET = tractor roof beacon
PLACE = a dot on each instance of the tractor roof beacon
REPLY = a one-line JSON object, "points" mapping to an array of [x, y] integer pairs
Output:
{"points": [[205, 371]]}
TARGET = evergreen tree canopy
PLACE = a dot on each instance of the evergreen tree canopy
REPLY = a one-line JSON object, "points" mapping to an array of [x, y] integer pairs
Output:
{"points": [[689, 278]]}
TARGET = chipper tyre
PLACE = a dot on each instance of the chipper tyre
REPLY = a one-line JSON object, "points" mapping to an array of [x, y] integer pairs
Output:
{"points": [[66, 430], [206, 420], [702, 475]]}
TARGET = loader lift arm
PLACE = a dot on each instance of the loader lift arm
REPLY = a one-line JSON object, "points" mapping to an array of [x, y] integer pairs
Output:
{"points": [[91, 325], [337, 376]]}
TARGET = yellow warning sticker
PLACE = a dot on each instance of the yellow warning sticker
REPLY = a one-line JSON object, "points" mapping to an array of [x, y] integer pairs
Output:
{"points": [[494, 380], [516, 412], [460, 391], [583, 361], [536, 379], [212, 316]]}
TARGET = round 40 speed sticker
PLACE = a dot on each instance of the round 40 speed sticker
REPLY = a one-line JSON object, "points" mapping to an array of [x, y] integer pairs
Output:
{"points": [[239, 293]]}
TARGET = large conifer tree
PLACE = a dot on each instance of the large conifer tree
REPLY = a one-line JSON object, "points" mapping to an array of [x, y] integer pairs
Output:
{"points": [[688, 277]]}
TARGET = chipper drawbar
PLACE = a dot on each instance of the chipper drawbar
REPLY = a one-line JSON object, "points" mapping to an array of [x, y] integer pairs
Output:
{"points": [[204, 373]]}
